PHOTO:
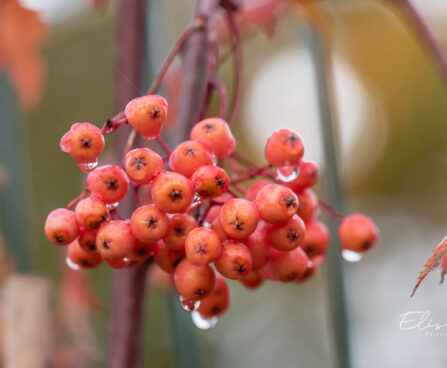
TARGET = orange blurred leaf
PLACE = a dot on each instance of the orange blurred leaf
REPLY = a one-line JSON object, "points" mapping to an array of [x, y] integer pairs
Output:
{"points": [[439, 257], [22, 36]]}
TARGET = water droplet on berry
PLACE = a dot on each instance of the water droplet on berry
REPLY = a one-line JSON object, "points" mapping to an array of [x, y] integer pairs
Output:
{"points": [[71, 264], [197, 201], [287, 174], [206, 224], [112, 206], [203, 323], [88, 167], [351, 256], [189, 305]]}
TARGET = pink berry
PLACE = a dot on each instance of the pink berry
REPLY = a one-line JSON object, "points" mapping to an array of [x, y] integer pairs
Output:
{"points": [[234, 261], [141, 252], [289, 266], [147, 115], [316, 239], [210, 181], [308, 204], [254, 189], [216, 134], [61, 227], [172, 192], [142, 165], [84, 142], [253, 280], [202, 246], [239, 218], [149, 224], [259, 247], [167, 259], [108, 183], [188, 157], [358, 233], [115, 240], [283, 148], [217, 302], [180, 225], [286, 236], [276, 203], [91, 213], [192, 281], [81, 258], [87, 240], [307, 176]]}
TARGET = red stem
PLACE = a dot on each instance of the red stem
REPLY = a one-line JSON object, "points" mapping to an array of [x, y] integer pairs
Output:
{"points": [[330, 211], [81, 196], [220, 88], [164, 145], [243, 160], [251, 174]]}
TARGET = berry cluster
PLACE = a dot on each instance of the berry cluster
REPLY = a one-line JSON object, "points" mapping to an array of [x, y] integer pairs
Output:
{"points": [[194, 214]]}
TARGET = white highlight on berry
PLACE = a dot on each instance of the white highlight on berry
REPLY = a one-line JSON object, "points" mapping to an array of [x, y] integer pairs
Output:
{"points": [[203, 323]]}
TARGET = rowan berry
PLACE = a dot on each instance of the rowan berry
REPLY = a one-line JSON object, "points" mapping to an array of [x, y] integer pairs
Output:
{"points": [[87, 240], [358, 233], [116, 264], [283, 148], [316, 239], [149, 224], [109, 183], [192, 281], [234, 261], [253, 189], [115, 240], [180, 225], [210, 181], [216, 226], [259, 247], [308, 273], [212, 213], [287, 235], [61, 227], [84, 142], [217, 302], [289, 266], [167, 259], [267, 272], [142, 165], [147, 115], [141, 252], [253, 280], [216, 134], [239, 218], [276, 203], [202, 246], [172, 192], [308, 204], [81, 258], [91, 212], [189, 156], [307, 176]]}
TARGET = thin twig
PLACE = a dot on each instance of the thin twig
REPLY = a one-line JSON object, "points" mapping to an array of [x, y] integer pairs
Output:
{"points": [[330, 211], [81, 196], [164, 145]]}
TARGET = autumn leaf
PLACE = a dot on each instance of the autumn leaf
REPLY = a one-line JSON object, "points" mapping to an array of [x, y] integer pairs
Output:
{"points": [[22, 36], [439, 257]]}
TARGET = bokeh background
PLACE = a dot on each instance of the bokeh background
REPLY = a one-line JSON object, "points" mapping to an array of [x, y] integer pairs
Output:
{"points": [[392, 128]]}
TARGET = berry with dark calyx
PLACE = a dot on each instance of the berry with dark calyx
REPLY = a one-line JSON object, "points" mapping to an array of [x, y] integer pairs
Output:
{"points": [[167, 259], [180, 225], [202, 246], [308, 204], [287, 235], [109, 183], [84, 142], [61, 227], [216, 134], [276, 203], [308, 273], [283, 148], [358, 233], [116, 264], [189, 156], [147, 115], [149, 224], [91, 212], [217, 302], [239, 218], [210, 181], [115, 240], [307, 176], [289, 266], [87, 240], [259, 247], [194, 282], [234, 261], [316, 239], [253, 280], [142, 165], [172, 192], [254, 189], [81, 258], [141, 252]]}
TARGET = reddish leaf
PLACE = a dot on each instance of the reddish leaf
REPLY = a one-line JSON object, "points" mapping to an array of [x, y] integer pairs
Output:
{"points": [[22, 35], [439, 255]]}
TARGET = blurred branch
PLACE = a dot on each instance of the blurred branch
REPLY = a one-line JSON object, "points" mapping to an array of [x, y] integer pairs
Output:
{"points": [[427, 38], [322, 64]]}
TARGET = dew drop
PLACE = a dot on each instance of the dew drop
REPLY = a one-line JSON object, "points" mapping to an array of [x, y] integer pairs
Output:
{"points": [[287, 174], [351, 256], [206, 224], [197, 201], [189, 305], [71, 264], [112, 206], [203, 323], [88, 167]]}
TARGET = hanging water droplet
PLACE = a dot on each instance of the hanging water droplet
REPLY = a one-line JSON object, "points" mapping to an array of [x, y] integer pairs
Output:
{"points": [[88, 167], [206, 224], [351, 256], [197, 201], [203, 323], [287, 174], [189, 305], [112, 206], [71, 264]]}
